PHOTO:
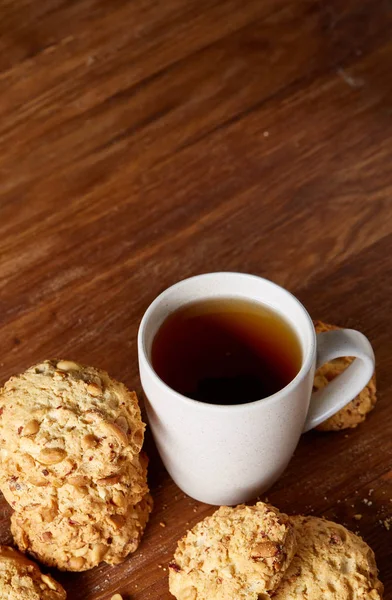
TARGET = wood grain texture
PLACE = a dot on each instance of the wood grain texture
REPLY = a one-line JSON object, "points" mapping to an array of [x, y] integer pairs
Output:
{"points": [[143, 142]]}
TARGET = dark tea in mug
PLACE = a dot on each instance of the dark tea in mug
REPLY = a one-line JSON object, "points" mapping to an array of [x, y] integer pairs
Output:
{"points": [[226, 351]]}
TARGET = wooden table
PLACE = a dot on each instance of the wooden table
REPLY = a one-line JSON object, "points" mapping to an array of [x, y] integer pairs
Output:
{"points": [[142, 142]]}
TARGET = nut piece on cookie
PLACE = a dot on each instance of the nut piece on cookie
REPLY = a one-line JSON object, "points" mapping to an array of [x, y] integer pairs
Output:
{"points": [[237, 553], [353, 413], [21, 579], [330, 563]]}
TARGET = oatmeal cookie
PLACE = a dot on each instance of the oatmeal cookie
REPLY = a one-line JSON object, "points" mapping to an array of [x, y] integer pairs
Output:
{"points": [[237, 553], [21, 579], [74, 541], [330, 563], [353, 413], [62, 422]]}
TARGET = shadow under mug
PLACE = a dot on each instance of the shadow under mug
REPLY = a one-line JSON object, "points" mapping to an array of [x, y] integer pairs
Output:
{"points": [[231, 454]]}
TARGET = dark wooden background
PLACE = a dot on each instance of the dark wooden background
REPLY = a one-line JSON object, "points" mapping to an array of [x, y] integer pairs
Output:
{"points": [[142, 142]]}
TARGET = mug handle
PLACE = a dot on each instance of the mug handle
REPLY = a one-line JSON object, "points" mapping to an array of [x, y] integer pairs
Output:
{"points": [[345, 387]]}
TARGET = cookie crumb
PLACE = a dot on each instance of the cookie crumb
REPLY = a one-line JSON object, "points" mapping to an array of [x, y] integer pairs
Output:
{"points": [[358, 517], [162, 524], [117, 597]]}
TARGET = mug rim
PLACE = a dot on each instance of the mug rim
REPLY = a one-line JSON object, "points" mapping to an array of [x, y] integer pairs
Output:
{"points": [[302, 373]]}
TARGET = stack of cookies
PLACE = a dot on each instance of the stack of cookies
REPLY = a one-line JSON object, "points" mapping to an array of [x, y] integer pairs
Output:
{"points": [[258, 553], [72, 466]]}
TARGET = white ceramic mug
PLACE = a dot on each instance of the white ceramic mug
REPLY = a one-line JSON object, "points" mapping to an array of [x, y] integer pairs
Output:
{"points": [[230, 454]]}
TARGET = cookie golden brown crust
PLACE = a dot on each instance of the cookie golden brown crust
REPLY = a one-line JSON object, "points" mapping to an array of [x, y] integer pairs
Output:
{"points": [[21, 579], [77, 542], [237, 553], [353, 413], [331, 563]]}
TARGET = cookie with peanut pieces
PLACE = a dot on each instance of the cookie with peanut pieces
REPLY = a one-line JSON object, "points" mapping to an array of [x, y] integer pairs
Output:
{"points": [[354, 412], [21, 579], [74, 541], [64, 423], [84, 504], [238, 553], [78, 492], [330, 563]]}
